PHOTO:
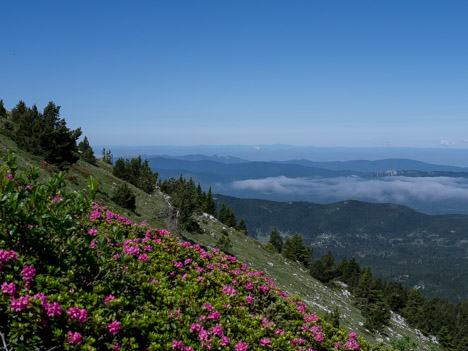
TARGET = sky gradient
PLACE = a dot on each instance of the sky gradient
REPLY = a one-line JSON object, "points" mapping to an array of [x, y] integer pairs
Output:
{"points": [[323, 73]]}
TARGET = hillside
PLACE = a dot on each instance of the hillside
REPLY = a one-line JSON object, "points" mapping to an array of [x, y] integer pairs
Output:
{"points": [[399, 243], [287, 275]]}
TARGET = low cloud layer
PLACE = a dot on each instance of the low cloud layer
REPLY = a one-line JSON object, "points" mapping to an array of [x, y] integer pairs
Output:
{"points": [[387, 189]]}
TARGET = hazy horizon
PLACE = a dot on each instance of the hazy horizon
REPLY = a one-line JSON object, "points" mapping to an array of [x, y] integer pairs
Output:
{"points": [[442, 156]]}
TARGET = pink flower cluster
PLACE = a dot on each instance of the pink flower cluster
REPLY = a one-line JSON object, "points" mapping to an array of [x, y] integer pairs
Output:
{"points": [[19, 304], [93, 232], [74, 337], [204, 334], [179, 345], [107, 299], [352, 343], [77, 314], [5, 256], [9, 289], [114, 327]]}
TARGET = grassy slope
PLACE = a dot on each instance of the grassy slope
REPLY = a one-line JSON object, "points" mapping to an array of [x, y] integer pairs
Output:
{"points": [[286, 274]]}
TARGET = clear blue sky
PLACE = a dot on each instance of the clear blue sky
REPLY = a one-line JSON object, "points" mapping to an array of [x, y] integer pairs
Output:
{"points": [[325, 73]]}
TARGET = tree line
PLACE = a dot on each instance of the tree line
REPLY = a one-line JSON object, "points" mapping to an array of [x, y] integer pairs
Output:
{"points": [[190, 199], [375, 297]]}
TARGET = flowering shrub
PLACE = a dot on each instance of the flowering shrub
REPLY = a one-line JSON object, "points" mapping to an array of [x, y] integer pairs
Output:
{"points": [[74, 274]]}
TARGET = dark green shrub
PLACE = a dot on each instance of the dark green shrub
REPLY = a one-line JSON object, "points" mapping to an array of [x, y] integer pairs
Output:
{"points": [[124, 197]]}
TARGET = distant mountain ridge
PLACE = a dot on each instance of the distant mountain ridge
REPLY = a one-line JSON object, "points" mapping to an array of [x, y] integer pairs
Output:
{"points": [[396, 241], [377, 166], [246, 170]]}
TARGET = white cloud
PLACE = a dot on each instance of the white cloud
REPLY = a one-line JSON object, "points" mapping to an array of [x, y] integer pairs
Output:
{"points": [[386, 189], [446, 142]]}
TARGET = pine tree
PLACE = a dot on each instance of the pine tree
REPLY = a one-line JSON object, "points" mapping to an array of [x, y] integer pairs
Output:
{"points": [[57, 140], [230, 218], [371, 302], [209, 205], [295, 249], [120, 170], [147, 179], [19, 111], [3, 111], [413, 311], [87, 152], [350, 272], [107, 156], [241, 226], [276, 240], [396, 294], [124, 197], [445, 339], [324, 269]]}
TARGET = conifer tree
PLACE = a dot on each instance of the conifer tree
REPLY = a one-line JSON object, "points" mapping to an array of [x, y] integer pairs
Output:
{"points": [[19, 111], [413, 310], [396, 294], [3, 112], [295, 249], [276, 240], [148, 180], [324, 269], [371, 302], [209, 204], [241, 226], [107, 156], [87, 152], [445, 339], [119, 169], [350, 272]]}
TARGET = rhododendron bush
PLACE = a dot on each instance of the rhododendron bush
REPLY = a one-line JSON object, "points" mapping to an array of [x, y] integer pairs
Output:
{"points": [[76, 275]]}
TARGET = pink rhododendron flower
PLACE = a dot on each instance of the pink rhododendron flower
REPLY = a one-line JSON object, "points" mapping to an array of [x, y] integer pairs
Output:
{"points": [[76, 314], [214, 316], [265, 342], [7, 255], [74, 338], [249, 286], [107, 299], [9, 289], [217, 330], [143, 258], [228, 290], [28, 273], [177, 345], [52, 309], [242, 346], [203, 335], [225, 341], [352, 344], [93, 232], [20, 304], [195, 327], [41, 297], [92, 245], [113, 327]]}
